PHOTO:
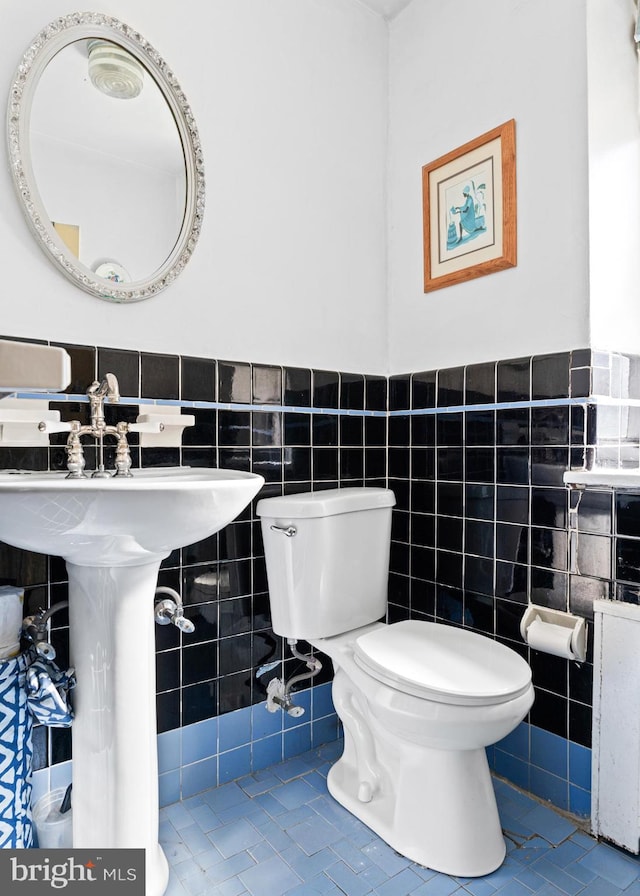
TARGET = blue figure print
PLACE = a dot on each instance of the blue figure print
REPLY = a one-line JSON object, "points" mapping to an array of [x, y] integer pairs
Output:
{"points": [[472, 213], [481, 208]]}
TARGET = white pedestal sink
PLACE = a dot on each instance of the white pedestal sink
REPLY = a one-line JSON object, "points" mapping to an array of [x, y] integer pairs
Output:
{"points": [[113, 534]]}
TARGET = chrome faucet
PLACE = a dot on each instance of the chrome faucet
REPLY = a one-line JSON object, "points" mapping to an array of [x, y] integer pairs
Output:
{"points": [[99, 392], [108, 390]]}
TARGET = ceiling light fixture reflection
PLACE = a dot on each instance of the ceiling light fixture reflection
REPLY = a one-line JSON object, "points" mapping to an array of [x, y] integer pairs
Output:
{"points": [[114, 71]]}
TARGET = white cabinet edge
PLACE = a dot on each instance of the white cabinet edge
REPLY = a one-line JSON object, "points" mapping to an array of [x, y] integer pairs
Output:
{"points": [[617, 608]]}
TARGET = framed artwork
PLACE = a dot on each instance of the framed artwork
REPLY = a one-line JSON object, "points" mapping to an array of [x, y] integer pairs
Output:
{"points": [[469, 210]]}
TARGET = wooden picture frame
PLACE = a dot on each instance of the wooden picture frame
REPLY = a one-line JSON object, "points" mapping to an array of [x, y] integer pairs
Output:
{"points": [[469, 210]]}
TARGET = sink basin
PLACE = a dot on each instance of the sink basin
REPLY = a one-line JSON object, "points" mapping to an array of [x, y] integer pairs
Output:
{"points": [[113, 535], [120, 521]]}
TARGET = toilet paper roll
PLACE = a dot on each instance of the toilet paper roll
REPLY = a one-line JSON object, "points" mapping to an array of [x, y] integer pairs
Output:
{"points": [[550, 638]]}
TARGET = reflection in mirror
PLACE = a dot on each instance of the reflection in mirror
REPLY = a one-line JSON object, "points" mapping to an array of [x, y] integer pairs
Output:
{"points": [[106, 157], [113, 71], [111, 167]]}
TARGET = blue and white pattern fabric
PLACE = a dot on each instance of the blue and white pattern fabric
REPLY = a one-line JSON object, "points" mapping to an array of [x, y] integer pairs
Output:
{"points": [[30, 688], [48, 692], [16, 755]]}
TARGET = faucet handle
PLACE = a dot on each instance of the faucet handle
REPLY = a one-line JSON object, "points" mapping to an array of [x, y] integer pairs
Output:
{"points": [[168, 612], [55, 426], [181, 622], [150, 427]]}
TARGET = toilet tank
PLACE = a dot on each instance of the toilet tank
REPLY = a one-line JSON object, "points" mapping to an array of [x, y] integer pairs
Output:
{"points": [[327, 556]]}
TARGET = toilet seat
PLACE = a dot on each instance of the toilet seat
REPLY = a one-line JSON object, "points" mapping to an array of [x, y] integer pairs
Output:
{"points": [[442, 663]]}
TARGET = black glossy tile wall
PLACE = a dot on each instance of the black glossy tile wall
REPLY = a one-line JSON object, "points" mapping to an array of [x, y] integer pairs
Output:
{"points": [[483, 522], [198, 379], [125, 365], [297, 387], [234, 382], [159, 376]]}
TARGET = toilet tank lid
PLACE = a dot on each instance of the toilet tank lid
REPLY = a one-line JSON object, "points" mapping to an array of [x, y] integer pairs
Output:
{"points": [[307, 505]]}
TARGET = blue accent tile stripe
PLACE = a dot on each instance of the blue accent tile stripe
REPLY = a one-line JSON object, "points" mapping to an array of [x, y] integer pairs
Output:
{"points": [[592, 400], [580, 766], [549, 752], [205, 405], [546, 765], [221, 749]]}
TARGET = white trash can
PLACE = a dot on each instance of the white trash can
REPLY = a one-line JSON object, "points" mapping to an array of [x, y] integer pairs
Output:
{"points": [[54, 828]]}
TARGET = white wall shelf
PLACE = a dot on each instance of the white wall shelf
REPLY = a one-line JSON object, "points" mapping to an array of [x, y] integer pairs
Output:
{"points": [[604, 478]]}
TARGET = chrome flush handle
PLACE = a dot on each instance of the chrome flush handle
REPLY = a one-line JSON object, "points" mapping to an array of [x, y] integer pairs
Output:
{"points": [[289, 531]]}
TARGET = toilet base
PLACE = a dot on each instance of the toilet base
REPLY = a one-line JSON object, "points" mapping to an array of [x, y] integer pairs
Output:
{"points": [[436, 807]]}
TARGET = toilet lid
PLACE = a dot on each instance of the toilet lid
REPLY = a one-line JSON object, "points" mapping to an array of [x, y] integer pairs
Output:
{"points": [[442, 663]]}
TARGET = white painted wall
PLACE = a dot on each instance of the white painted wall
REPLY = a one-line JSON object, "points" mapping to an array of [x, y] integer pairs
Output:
{"points": [[457, 70], [614, 175], [311, 253], [291, 102]]}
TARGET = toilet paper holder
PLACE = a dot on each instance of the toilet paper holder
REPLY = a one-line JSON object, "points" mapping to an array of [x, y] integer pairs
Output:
{"points": [[555, 632]]}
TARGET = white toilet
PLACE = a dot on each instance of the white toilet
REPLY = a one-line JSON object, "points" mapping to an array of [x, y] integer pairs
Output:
{"points": [[419, 701]]}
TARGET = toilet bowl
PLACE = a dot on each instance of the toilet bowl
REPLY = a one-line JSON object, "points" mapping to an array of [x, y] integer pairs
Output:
{"points": [[419, 701]]}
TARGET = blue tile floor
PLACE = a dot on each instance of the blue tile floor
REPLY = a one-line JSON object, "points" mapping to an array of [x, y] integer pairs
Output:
{"points": [[279, 832]]}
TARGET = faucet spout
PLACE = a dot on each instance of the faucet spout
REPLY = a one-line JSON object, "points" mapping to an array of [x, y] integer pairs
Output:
{"points": [[107, 389], [113, 389], [99, 392]]}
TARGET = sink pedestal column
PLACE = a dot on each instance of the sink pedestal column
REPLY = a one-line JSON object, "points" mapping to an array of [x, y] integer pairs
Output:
{"points": [[115, 759]]}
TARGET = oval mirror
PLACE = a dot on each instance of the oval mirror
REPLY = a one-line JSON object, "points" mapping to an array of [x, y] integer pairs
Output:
{"points": [[105, 157]]}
